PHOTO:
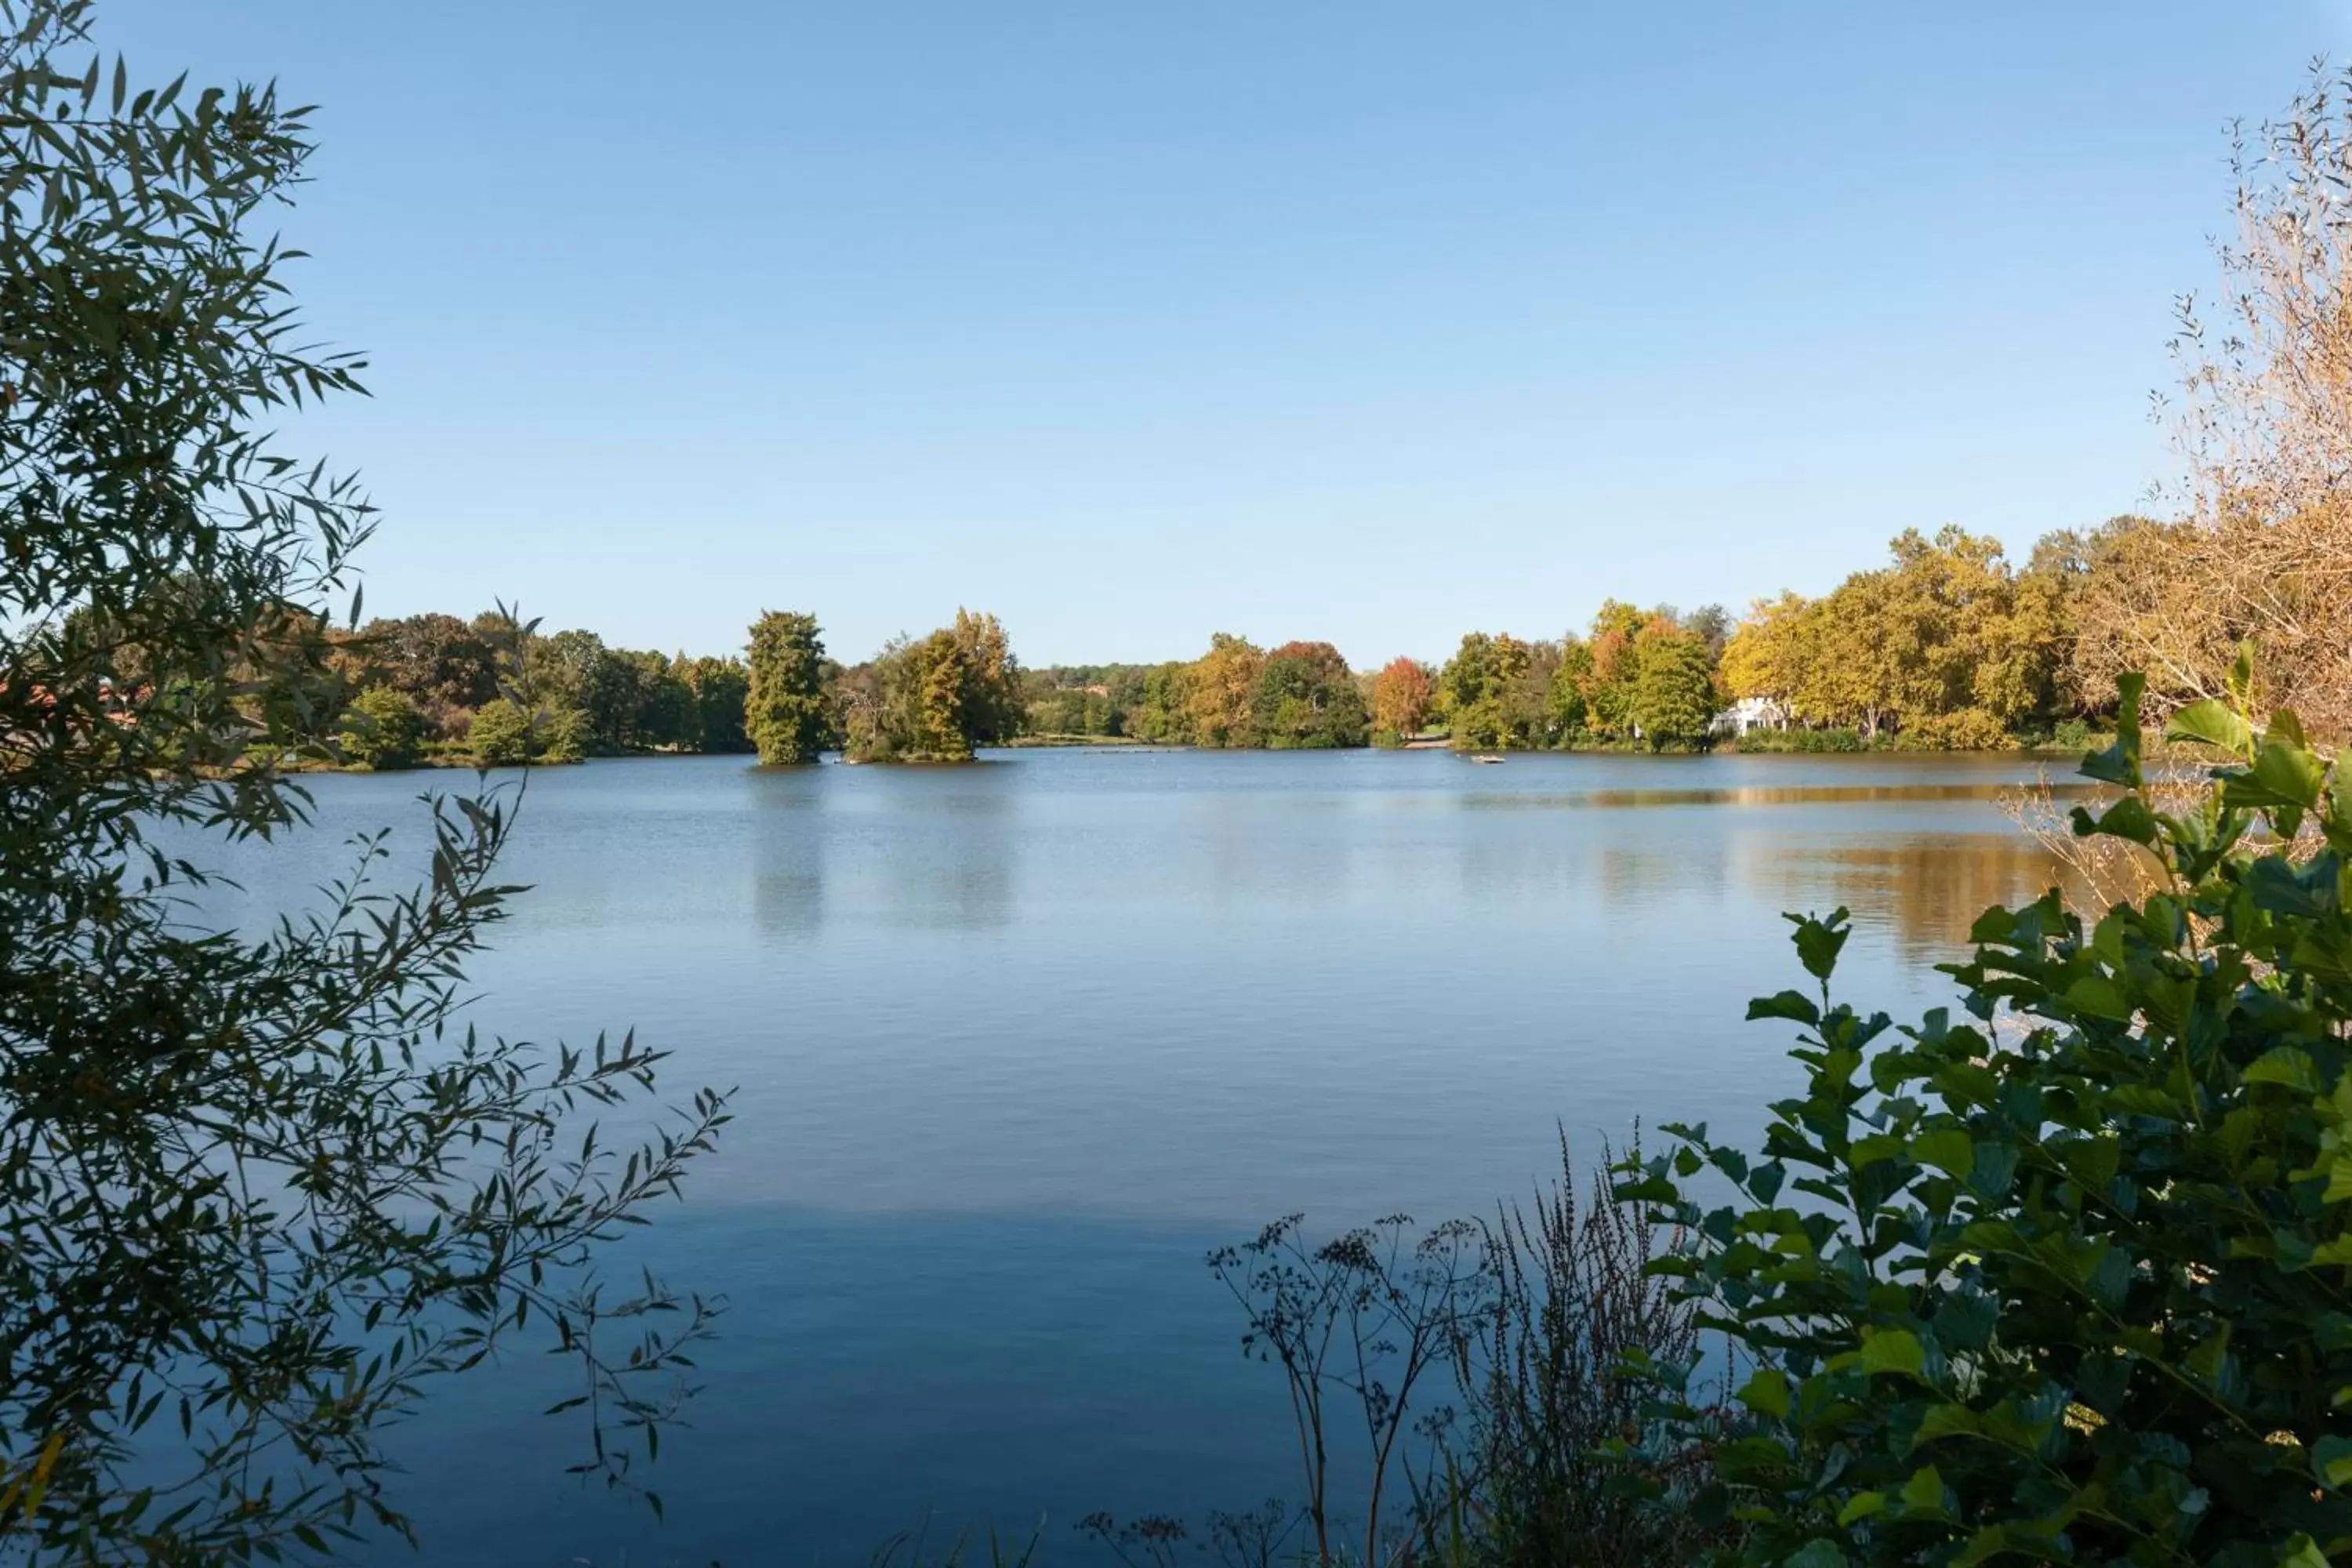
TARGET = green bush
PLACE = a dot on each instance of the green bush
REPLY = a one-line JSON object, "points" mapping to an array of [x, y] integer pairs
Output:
{"points": [[1804, 741], [1968, 730], [1541, 1375], [500, 734], [505, 735], [383, 729], [2070, 1281], [567, 736]]}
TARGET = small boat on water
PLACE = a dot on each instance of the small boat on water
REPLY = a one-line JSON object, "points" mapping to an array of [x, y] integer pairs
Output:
{"points": [[1483, 757]]}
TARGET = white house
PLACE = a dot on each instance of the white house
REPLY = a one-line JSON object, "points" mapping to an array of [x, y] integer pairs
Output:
{"points": [[1750, 713]]}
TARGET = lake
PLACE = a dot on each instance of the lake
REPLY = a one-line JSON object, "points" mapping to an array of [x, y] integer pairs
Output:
{"points": [[1017, 1043]]}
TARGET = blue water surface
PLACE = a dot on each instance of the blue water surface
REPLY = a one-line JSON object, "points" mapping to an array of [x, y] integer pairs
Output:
{"points": [[1015, 1044]]}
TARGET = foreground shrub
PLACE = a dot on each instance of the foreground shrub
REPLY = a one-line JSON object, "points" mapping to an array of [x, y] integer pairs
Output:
{"points": [[1452, 1393], [2070, 1281], [1546, 1376]]}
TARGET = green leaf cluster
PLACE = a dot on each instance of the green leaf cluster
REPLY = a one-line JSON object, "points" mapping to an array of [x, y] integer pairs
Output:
{"points": [[2066, 1278]]}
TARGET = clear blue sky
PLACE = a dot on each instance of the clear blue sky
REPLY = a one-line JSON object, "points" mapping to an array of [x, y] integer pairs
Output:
{"points": [[1372, 322]]}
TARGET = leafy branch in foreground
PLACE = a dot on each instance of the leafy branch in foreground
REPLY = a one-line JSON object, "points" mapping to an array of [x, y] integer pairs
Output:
{"points": [[2067, 1281], [259, 1193]]}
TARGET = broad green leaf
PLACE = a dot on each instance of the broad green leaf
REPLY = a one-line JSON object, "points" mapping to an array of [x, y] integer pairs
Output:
{"points": [[1947, 1420], [1819, 941], [1790, 1004], [1861, 1506], [2212, 722], [2119, 763], [2091, 1161], [1867, 1152], [2289, 772], [1948, 1148], [1983, 1546], [1924, 1492], [1893, 1350], [2127, 818], [2299, 1553], [1767, 1393], [2099, 997], [2288, 1065]]}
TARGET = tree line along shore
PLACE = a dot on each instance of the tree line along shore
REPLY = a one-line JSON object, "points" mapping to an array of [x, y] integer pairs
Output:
{"points": [[1948, 646]]}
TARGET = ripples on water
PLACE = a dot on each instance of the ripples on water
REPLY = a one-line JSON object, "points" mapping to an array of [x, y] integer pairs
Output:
{"points": [[1016, 1043]]}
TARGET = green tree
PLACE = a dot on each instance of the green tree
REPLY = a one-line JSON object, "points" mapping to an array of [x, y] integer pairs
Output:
{"points": [[1531, 712], [1162, 711], [563, 735], [933, 701], [1306, 699], [1474, 687], [445, 665], [1674, 688], [262, 1192], [721, 688], [988, 707], [1609, 674], [500, 734], [1126, 687], [941, 669], [785, 713], [383, 729], [563, 668], [1571, 710], [1071, 710], [614, 700], [667, 717]]}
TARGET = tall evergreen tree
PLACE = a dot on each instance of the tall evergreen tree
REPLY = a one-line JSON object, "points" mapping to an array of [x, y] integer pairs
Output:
{"points": [[784, 714]]}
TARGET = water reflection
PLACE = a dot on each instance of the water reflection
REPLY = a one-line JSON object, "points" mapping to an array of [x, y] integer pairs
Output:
{"points": [[1644, 874], [788, 850], [1757, 795], [944, 859], [1926, 889]]}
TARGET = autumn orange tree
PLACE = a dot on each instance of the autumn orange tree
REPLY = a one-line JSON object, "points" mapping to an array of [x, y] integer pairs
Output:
{"points": [[1402, 697]]}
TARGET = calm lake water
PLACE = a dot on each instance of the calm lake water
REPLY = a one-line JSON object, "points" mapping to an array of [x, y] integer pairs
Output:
{"points": [[1016, 1043]]}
